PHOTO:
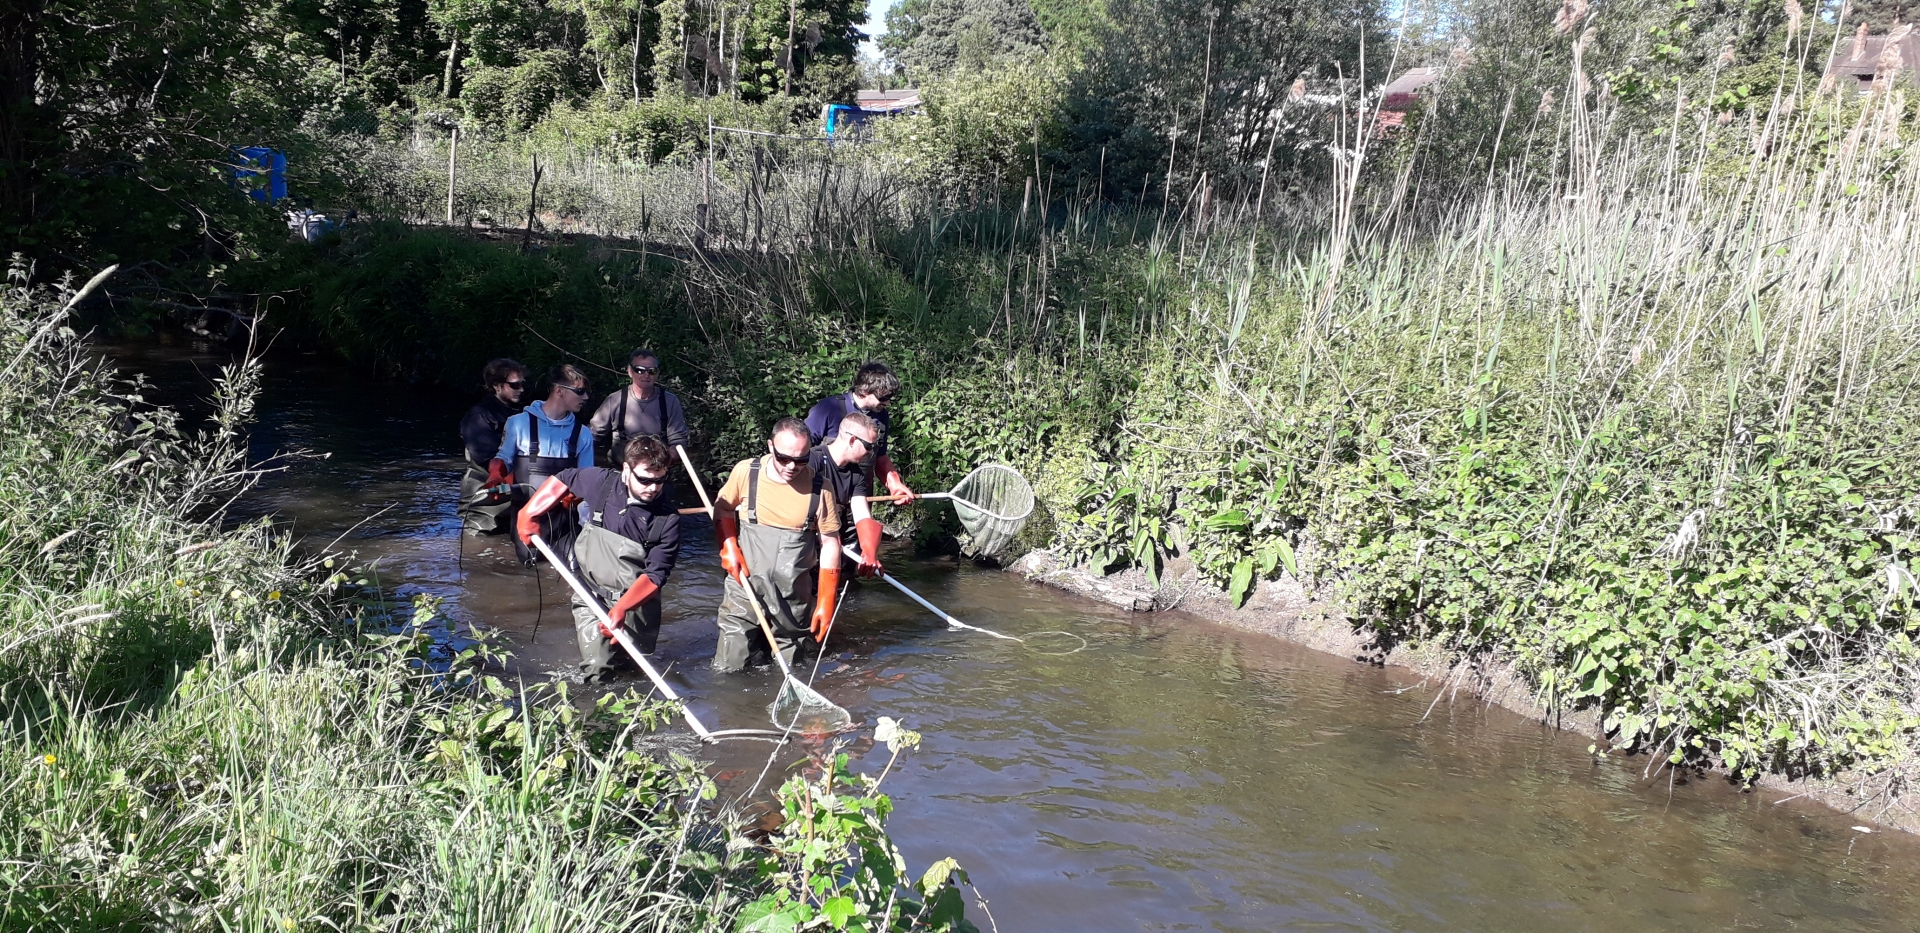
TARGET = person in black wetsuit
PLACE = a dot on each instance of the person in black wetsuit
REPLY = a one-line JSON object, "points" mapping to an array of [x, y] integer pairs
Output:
{"points": [[628, 542], [874, 389], [842, 461], [505, 382]]}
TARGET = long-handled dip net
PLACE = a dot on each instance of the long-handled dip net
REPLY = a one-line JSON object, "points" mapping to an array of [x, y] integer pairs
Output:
{"points": [[993, 503], [798, 708]]}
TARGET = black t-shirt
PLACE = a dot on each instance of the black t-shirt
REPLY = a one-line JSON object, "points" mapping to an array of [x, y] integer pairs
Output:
{"points": [[654, 525], [845, 481]]}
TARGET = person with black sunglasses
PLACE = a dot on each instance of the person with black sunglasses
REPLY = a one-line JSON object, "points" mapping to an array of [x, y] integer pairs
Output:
{"points": [[641, 409], [485, 424], [874, 390], [545, 439], [841, 462], [628, 543], [779, 529]]}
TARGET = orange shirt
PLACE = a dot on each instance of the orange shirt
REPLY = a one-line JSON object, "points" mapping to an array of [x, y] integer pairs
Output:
{"points": [[783, 505]]}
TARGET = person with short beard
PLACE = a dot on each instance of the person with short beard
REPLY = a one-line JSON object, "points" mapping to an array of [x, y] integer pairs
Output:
{"points": [[628, 542], [779, 531]]}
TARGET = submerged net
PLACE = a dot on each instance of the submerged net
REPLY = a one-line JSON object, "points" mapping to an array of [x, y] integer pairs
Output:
{"points": [[800, 709], [993, 503]]}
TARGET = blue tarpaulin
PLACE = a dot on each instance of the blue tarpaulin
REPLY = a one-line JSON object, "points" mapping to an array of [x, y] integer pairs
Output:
{"points": [[261, 172]]}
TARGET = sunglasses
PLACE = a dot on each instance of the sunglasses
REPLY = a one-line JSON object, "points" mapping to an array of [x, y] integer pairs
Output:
{"points": [[580, 392], [643, 370], [790, 461], [863, 441], [516, 386], [648, 480]]}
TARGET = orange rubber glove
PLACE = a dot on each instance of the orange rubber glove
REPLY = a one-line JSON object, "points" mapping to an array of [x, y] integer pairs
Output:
{"points": [[868, 530], [552, 493], [824, 601], [498, 474], [726, 524], [642, 590]]}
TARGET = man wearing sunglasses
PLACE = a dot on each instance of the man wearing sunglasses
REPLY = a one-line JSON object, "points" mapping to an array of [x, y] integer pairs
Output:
{"points": [[642, 409], [480, 432], [545, 439], [628, 542], [874, 389], [779, 528], [841, 462]]}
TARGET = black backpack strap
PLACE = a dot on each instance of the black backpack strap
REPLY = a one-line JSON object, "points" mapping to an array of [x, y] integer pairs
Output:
{"points": [[753, 492]]}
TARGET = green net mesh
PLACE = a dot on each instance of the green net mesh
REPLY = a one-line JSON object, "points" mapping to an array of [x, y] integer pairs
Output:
{"points": [[993, 503]]}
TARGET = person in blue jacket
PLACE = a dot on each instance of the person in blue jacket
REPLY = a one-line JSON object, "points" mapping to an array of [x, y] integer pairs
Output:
{"points": [[545, 439]]}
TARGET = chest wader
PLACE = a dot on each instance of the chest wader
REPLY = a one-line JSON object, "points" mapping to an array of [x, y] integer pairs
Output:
{"points": [[781, 566], [531, 470], [608, 564], [483, 518], [617, 450]]}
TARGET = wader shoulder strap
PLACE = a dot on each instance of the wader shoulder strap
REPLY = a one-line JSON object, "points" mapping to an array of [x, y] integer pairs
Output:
{"points": [[573, 442], [753, 492], [753, 496], [533, 435], [606, 497]]}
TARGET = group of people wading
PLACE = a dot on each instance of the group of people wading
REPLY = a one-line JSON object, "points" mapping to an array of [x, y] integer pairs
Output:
{"points": [[781, 517]]}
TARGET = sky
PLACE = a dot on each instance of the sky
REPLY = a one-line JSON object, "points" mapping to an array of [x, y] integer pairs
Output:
{"points": [[875, 27]]}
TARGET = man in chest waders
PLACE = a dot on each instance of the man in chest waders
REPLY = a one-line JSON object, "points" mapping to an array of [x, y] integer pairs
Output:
{"points": [[545, 439], [642, 409], [844, 462], [779, 532], [874, 389], [480, 433], [628, 542]]}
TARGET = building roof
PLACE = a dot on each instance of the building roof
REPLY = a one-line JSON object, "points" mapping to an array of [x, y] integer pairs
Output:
{"points": [[1866, 64], [903, 99], [1402, 91]]}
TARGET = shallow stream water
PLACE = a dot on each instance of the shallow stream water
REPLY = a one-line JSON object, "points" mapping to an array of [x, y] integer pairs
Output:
{"points": [[1171, 775]]}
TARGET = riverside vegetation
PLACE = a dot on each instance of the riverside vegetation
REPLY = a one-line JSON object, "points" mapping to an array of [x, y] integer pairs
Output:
{"points": [[1635, 415], [205, 730]]}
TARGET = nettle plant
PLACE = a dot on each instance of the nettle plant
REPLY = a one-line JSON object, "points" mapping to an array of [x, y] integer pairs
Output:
{"points": [[831, 865]]}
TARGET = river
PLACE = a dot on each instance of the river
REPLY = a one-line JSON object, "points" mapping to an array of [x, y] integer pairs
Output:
{"points": [[1171, 775]]}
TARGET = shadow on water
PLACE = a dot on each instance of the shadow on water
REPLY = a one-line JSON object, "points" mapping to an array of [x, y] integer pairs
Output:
{"points": [[1170, 775]]}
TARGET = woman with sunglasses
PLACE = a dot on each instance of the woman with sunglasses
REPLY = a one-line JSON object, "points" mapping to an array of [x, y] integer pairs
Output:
{"points": [[642, 409], [486, 513]]}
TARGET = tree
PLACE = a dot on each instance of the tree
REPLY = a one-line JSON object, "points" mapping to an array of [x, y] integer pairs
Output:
{"points": [[1180, 89], [931, 37], [118, 119], [1881, 15]]}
